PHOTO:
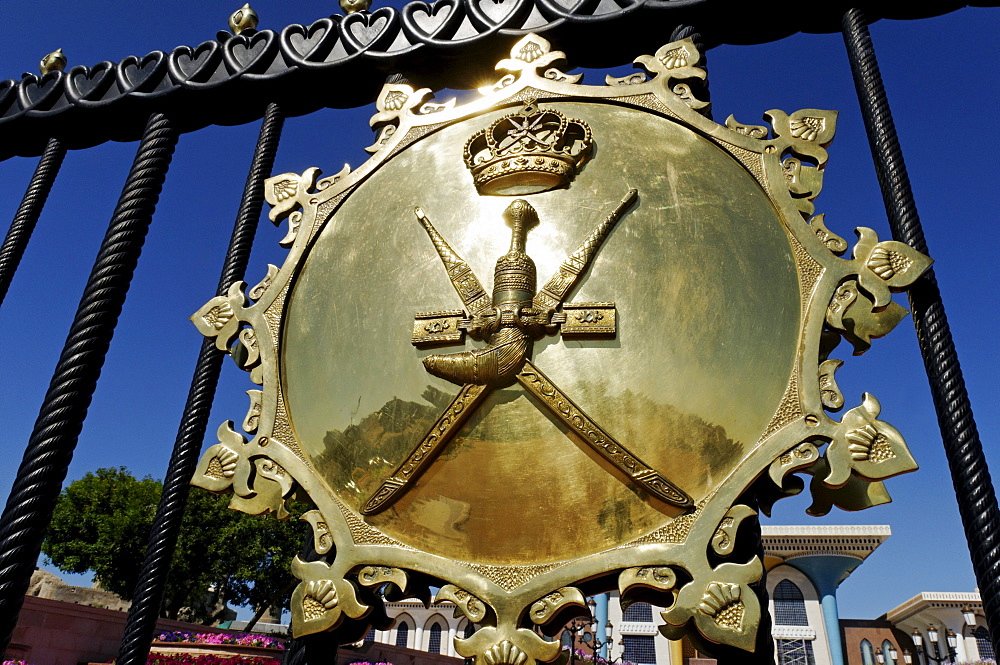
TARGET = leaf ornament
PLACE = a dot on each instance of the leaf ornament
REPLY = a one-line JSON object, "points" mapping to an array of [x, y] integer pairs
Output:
{"points": [[724, 609], [870, 448], [324, 597]]}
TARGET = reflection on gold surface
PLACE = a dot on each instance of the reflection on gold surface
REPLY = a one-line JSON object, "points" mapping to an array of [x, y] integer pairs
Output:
{"points": [[708, 312]]}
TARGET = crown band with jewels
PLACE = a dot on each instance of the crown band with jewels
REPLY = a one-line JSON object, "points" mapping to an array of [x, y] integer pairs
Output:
{"points": [[527, 152]]}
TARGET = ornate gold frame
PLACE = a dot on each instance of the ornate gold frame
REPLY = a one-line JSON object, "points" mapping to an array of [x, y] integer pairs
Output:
{"points": [[842, 297]]}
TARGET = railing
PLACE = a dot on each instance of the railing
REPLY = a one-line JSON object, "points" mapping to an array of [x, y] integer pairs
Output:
{"points": [[269, 76]]}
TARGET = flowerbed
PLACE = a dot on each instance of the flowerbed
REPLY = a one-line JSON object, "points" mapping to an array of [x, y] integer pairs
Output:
{"points": [[207, 659], [238, 639]]}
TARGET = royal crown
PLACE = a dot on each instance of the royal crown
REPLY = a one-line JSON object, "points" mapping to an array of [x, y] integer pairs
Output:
{"points": [[529, 151]]}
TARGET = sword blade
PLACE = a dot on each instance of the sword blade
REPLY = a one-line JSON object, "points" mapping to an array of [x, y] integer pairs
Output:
{"points": [[563, 408], [447, 424]]}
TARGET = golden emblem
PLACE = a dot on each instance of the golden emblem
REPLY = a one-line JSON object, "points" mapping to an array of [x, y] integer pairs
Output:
{"points": [[678, 357]]}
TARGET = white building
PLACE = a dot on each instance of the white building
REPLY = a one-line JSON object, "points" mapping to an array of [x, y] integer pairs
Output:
{"points": [[416, 627], [959, 613]]}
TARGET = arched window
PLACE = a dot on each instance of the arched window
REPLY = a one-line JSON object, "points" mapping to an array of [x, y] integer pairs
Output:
{"points": [[566, 639], [983, 643], [789, 606], [434, 642], [370, 637], [639, 649], [402, 633], [638, 612], [867, 653], [887, 652]]}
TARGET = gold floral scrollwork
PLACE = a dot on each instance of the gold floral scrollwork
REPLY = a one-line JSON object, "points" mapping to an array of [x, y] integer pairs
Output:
{"points": [[868, 447], [505, 653], [724, 609], [804, 183], [884, 267], [271, 483], [287, 191], [322, 538], [467, 604], [829, 391], [395, 101], [558, 75], [630, 79], [753, 131], [251, 357], [855, 494], [724, 538], [322, 598], [432, 107], [675, 64], [833, 242], [533, 55], [803, 135], [268, 468], [505, 645], [806, 132], [222, 463], [858, 318], [799, 457], [220, 316], [544, 610], [289, 194], [252, 420], [657, 578], [216, 469], [374, 576], [257, 292]]}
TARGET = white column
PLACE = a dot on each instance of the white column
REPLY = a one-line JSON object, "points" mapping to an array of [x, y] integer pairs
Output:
{"points": [[961, 653], [418, 637], [451, 640], [971, 646]]}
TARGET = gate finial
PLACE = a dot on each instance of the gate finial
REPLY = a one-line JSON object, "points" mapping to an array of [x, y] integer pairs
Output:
{"points": [[53, 62], [243, 19]]}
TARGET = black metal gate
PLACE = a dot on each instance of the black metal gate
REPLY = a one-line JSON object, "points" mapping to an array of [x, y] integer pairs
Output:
{"points": [[269, 76]]}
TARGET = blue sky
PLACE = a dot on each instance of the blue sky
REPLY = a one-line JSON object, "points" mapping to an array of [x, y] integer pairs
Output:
{"points": [[941, 77]]}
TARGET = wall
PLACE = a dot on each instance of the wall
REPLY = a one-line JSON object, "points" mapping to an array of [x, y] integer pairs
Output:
{"points": [[876, 631], [54, 632]]}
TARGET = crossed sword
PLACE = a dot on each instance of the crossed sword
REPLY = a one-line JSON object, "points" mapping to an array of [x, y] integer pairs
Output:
{"points": [[549, 298]]}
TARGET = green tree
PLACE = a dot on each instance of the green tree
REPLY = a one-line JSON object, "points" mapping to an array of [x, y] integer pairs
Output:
{"points": [[102, 521]]}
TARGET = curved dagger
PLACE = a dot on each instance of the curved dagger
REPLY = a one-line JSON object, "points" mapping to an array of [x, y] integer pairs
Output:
{"points": [[560, 284], [437, 437], [601, 442], [469, 289]]}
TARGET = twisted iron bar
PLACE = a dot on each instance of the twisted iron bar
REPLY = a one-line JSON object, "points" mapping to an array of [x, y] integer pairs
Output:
{"points": [[977, 501], [149, 589], [27, 213], [50, 448]]}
